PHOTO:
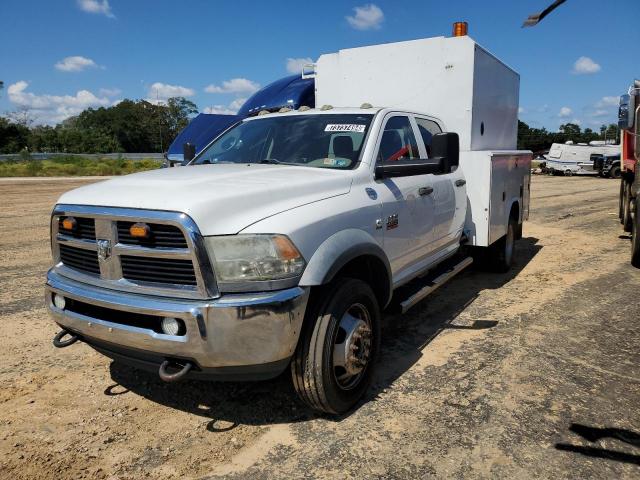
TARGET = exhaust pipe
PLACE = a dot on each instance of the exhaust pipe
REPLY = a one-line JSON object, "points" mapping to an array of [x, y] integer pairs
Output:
{"points": [[58, 341], [173, 377]]}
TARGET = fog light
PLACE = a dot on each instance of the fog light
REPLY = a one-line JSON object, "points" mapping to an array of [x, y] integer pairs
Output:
{"points": [[170, 326], [59, 301]]}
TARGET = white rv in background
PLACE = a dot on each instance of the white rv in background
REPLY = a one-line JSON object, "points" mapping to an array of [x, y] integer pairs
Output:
{"points": [[571, 159]]}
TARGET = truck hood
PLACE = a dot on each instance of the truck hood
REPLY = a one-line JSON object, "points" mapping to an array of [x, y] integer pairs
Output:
{"points": [[221, 199]]}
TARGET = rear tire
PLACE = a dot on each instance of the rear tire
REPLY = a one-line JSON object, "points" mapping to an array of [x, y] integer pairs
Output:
{"points": [[333, 364], [626, 208], [501, 253], [635, 237]]}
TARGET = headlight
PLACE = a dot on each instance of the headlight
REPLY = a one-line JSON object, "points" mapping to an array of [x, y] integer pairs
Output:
{"points": [[245, 258]]}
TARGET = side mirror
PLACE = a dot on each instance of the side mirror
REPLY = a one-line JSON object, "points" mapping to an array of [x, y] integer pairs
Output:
{"points": [[406, 168], [446, 146], [626, 111], [188, 152]]}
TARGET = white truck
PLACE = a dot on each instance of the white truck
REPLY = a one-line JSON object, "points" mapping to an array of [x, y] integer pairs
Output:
{"points": [[282, 242]]}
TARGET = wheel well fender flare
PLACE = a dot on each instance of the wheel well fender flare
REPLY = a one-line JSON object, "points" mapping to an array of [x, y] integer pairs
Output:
{"points": [[337, 251]]}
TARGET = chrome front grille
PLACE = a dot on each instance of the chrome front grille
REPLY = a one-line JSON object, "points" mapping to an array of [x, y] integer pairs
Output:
{"points": [[163, 270], [80, 259], [101, 251]]}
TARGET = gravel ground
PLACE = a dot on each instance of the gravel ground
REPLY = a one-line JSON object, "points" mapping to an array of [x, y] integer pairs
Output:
{"points": [[531, 374]]}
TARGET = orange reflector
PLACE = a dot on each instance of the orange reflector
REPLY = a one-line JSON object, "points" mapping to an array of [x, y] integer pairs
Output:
{"points": [[285, 248], [460, 29], [140, 230], [69, 223]]}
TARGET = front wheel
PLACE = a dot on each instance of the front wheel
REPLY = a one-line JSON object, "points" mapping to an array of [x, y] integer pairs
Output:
{"points": [[615, 172], [333, 364]]}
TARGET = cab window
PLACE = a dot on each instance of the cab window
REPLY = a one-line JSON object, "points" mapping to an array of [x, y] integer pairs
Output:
{"points": [[427, 129], [398, 141]]}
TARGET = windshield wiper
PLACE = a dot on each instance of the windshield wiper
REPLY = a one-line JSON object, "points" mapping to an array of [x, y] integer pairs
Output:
{"points": [[273, 161]]}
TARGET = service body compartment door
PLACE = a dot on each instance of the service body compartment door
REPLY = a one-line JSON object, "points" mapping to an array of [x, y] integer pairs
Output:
{"points": [[496, 180]]}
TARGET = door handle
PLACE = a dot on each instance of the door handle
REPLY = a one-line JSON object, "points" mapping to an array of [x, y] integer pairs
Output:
{"points": [[460, 182], [422, 191]]}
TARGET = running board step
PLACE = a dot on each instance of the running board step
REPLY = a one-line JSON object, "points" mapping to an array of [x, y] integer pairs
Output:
{"points": [[435, 283]]}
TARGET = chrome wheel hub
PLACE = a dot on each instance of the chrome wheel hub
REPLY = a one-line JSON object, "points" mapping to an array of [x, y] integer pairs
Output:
{"points": [[352, 346]]}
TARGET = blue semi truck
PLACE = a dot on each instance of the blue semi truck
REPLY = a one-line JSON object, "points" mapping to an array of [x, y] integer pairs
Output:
{"points": [[292, 91]]}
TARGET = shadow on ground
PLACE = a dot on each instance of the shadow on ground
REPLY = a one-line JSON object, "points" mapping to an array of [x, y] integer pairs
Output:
{"points": [[228, 404], [594, 434]]}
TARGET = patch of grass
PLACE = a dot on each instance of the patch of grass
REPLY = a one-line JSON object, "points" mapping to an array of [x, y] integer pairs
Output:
{"points": [[75, 166]]}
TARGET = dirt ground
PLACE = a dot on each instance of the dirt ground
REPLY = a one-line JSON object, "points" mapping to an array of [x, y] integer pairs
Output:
{"points": [[531, 374]]}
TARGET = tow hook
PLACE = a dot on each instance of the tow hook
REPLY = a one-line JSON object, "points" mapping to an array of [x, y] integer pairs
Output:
{"points": [[173, 377], [59, 343]]}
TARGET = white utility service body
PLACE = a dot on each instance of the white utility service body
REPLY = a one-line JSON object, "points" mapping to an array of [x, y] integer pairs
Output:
{"points": [[284, 239]]}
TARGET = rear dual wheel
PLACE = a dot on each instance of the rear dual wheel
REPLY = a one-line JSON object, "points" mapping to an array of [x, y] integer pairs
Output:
{"points": [[635, 234], [333, 364]]}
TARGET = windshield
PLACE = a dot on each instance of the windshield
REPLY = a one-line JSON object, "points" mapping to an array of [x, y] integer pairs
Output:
{"points": [[322, 140]]}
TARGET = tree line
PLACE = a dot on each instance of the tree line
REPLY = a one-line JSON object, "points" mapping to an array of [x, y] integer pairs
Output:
{"points": [[539, 140], [130, 126], [135, 126]]}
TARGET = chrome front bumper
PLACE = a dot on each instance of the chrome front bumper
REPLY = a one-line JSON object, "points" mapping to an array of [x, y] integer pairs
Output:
{"points": [[233, 333]]}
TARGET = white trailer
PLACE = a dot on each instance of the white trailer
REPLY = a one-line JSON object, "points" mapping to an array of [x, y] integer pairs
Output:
{"points": [[572, 159]]}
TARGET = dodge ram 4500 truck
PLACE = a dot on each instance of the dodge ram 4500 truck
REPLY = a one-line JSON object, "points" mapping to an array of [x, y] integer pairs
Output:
{"points": [[283, 241]]}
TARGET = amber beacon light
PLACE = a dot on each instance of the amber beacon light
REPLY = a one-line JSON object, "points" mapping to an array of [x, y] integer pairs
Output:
{"points": [[460, 29]]}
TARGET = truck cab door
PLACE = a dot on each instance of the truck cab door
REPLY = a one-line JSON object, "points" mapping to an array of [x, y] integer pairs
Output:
{"points": [[407, 204], [449, 195]]}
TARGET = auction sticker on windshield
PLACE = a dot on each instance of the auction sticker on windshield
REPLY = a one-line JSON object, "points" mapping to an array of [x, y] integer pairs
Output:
{"points": [[345, 127]]}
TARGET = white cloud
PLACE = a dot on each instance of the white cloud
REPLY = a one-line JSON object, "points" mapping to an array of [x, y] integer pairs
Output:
{"points": [[110, 92], [576, 121], [584, 65], [294, 65], [237, 103], [52, 109], [521, 110], [160, 92], [608, 102], [230, 109], [600, 113], [565, 112], [367, 17], [235, 85], [101, 7], [75, 64]]}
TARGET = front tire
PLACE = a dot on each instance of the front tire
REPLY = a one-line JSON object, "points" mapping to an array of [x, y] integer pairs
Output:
{"points": [[333, 364], [615, 172]]}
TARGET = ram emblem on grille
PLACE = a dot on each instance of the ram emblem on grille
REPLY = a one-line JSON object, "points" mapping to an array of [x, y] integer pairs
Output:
{"points": [[104, 249]]}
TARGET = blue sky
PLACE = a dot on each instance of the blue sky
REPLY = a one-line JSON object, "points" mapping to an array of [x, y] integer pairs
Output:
{"points": [[57, 58]]}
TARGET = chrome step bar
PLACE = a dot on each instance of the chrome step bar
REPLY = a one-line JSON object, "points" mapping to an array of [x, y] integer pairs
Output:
{"points": [[434, 284]]}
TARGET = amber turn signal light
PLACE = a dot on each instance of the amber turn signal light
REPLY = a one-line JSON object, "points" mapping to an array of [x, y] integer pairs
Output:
{"points": [[460, 29], [140, 230], [69, 223], [285, 248]]}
